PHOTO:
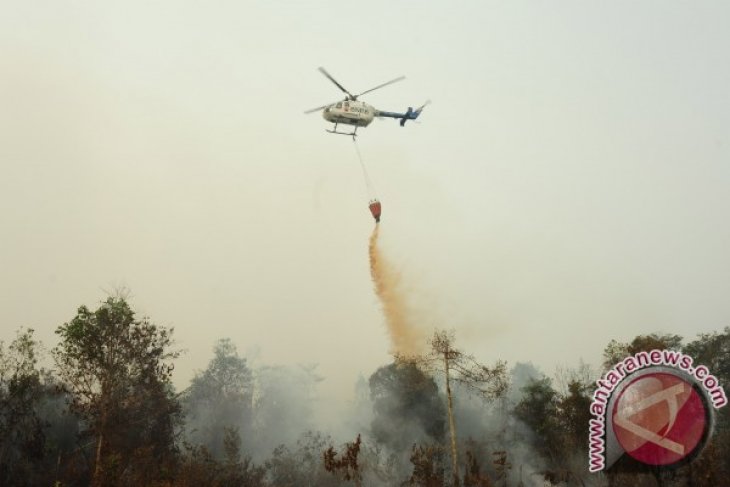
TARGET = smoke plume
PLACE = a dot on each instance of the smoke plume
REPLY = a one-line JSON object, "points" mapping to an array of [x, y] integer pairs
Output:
{"points": [[405, 336]]}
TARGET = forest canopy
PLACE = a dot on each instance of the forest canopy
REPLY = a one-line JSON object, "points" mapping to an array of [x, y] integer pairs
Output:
{"points": [[106, 413]]}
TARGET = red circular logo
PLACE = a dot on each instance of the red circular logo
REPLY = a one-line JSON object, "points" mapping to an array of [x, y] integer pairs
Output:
{"points": [[660, 419]]}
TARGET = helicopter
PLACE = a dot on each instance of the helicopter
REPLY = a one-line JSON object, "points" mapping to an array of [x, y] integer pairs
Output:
{"points": [[352, 111]]}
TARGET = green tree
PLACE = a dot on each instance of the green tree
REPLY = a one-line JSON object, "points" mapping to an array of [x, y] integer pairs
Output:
{"points": [[117, 369], [574, 416], [538, 409], [220, 398], [713, 351], [22, 435], [617, 351], [407, 408], [712, 467]]}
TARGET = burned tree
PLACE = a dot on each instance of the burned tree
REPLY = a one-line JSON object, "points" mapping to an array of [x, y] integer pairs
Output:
{"points": [[347, 464], [427, 469], [459, 367]]}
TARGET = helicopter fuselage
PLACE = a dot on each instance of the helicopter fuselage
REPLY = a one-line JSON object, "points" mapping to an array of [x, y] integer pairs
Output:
{"points": [[350, 112]]}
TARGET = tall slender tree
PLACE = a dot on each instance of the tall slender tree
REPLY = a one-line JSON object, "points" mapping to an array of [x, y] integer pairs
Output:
{"points": [[460, 367]]}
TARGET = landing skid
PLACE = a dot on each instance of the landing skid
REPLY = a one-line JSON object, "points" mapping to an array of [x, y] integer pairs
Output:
{"points": [[334, 131]]}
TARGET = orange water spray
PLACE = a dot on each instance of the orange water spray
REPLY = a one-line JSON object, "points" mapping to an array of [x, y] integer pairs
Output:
{"points": [[406, 338]]}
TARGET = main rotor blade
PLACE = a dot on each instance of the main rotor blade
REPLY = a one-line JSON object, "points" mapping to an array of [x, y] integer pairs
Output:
{"points": [[329, 76], [318, 108], [401, 78]]}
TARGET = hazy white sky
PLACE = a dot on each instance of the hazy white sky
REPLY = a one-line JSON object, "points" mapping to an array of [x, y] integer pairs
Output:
{"points": [[568, 185]]}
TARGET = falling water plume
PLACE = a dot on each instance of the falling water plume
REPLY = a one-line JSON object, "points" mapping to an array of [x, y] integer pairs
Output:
{"points": [[405, 337]]}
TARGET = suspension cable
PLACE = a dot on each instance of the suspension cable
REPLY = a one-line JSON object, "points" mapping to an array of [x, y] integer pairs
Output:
{"points": [[368, 183]]}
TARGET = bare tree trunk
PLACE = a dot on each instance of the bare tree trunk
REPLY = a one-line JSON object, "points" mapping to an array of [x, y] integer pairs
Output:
{"points": [[452, 428], [96, 479], [58, 469]]}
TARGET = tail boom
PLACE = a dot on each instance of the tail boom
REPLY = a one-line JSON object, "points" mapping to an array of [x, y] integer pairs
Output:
{"points": [[410, 114]]}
